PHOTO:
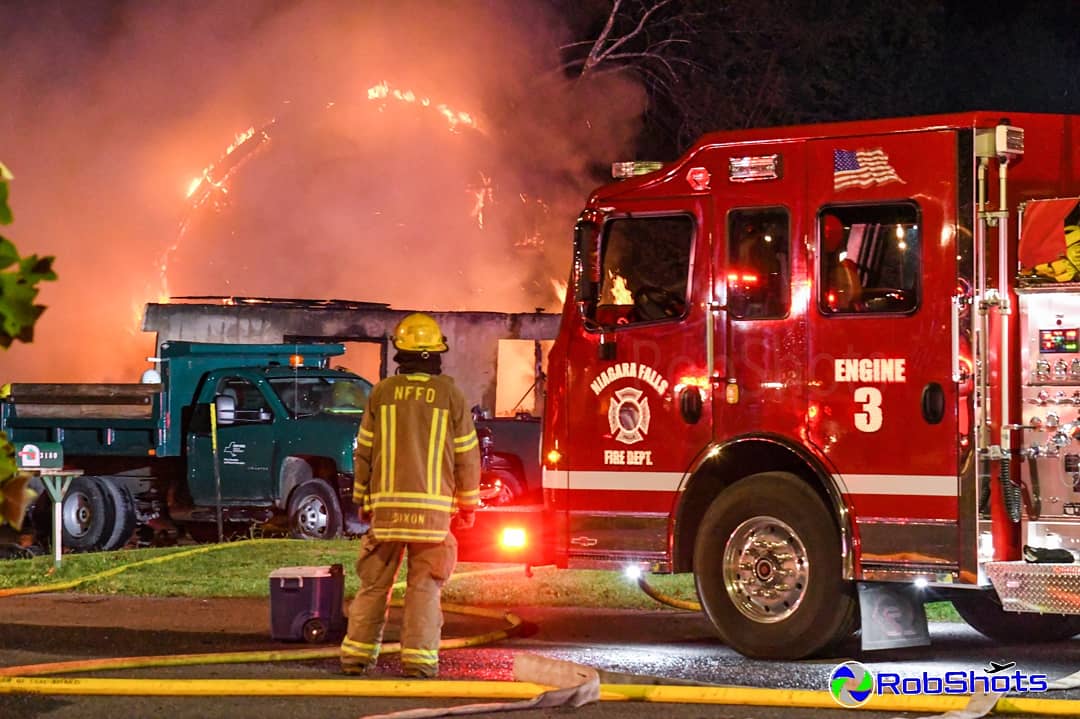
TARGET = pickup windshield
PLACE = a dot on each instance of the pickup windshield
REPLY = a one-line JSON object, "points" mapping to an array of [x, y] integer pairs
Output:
{"points": [[303, 396]]}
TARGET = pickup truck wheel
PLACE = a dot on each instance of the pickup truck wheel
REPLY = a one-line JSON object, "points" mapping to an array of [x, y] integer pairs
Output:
{"points": [[983, 613], [84, 515], [120, 514], [314, 512], [767, 565], [510, 487]]}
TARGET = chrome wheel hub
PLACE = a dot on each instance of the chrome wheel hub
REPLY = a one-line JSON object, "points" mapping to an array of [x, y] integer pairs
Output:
{"points": [[311, 517], [766, 570]]}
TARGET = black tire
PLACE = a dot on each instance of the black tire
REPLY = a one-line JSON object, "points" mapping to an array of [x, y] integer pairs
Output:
{"points": [[765, 603], [983, 613], [84, 515], [314, 512], [512, 487], [315, 631], [121, 515]]}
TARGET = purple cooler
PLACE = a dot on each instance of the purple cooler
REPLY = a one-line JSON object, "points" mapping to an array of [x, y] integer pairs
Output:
{"points": [[305, 603]]}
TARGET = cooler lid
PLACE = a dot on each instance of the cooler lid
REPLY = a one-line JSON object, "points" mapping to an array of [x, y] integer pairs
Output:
{"points": [[284, 572]]}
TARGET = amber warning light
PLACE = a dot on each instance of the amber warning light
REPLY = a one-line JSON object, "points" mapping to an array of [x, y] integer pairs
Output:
{"points": [[296, 360], [512, 538]]}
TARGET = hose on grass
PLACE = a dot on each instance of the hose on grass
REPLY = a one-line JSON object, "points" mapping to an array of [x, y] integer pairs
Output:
{"points": [[652, 592]]}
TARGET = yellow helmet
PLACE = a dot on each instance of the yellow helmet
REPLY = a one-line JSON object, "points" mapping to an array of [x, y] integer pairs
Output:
{"points": [[419, 333]]}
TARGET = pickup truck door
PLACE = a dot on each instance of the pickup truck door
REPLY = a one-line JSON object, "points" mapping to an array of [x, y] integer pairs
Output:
{"points": [[245, 450]]}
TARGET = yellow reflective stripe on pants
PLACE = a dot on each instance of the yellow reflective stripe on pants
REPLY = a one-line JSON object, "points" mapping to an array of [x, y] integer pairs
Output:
{"points": [[420, 656], [368, 653]]}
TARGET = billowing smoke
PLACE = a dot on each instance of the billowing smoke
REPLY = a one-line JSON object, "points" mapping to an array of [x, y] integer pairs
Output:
{"points": [[109, 111]]}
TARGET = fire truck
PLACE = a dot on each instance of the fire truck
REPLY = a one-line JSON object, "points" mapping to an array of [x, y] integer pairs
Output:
{"points": [[811, 363]]}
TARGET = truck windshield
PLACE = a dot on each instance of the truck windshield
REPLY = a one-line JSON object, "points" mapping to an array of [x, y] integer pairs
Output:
{"points": [[304, 396]]}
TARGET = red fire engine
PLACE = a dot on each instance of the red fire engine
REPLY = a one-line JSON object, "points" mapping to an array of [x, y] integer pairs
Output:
{"points": [[806, 363]]}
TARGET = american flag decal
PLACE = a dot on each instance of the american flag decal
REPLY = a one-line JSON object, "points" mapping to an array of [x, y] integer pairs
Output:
{"points": [[862, 168]]}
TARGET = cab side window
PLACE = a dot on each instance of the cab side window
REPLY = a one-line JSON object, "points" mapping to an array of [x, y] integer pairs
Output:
{"points": [[251, 405], [758, 278], [869, 259], [645, 266]]}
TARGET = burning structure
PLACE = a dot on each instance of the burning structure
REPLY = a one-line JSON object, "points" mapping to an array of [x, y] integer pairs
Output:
{"points": [[475, 361]]}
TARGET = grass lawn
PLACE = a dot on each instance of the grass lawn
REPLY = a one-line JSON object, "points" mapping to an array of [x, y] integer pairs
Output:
{"points": [[242, 569]]}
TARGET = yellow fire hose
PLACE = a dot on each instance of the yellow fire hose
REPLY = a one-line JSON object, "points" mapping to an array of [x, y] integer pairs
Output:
{"points": [[664, 599], [30, 679]]}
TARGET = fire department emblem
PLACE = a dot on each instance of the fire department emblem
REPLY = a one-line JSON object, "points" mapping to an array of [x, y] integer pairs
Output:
{"points": [[628, 415]]}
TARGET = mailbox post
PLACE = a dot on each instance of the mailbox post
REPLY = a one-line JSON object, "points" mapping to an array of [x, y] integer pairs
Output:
{"points": [[46, 460]]}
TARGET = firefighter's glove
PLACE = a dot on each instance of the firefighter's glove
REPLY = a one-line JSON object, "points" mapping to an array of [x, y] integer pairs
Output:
{"points": [[465, 520]]}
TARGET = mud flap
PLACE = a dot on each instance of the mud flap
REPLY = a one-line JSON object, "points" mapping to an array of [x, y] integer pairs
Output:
{"points": [[893, 616]]}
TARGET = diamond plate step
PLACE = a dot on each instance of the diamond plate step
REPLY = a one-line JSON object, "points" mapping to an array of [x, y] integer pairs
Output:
{"points": [[1045, 588]]}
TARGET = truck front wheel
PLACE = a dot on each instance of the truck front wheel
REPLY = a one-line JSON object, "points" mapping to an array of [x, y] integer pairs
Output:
{"points": [[314, 512], [767, 565]]}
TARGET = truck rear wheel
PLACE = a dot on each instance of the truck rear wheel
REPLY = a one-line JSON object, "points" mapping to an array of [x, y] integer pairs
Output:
{"points": [[120, 515], [767, 565], [314, 512], [84, 515], [982, 611]]}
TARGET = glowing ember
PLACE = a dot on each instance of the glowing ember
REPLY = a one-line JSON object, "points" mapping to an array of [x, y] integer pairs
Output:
{"points": [[620, 295], [483, 195], [455, 118]]}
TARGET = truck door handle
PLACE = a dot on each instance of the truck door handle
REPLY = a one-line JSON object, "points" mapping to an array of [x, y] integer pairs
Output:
{"points": [[690, 404], [933, 403]]}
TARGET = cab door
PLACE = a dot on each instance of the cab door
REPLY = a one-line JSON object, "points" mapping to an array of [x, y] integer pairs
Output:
{"points": [[245, 450], [635, 413], [883, 405], [761, 356]]}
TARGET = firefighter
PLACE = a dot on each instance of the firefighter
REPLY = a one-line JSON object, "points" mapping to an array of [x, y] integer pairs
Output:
{"points": [[417, 459]]}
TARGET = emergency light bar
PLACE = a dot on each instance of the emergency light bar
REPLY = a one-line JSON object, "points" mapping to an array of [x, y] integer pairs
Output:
{"points": [[624, 170], [755, 168]]}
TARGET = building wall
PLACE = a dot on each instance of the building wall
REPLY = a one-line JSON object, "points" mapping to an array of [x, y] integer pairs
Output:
{"points": [[473, 336]]}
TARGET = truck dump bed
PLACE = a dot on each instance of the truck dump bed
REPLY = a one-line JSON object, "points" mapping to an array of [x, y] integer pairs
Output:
{"points": [[91, 419], [84, 401]]}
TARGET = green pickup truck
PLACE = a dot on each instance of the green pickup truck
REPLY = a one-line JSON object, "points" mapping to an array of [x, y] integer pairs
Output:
{"points": [[232, 434]]}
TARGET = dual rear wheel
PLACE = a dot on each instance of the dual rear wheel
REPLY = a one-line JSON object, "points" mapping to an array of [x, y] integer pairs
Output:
{"points": [[97, 513]]}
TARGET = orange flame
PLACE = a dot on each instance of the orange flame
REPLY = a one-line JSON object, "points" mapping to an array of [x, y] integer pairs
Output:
{"points": [[455, 118], [620, 295]]}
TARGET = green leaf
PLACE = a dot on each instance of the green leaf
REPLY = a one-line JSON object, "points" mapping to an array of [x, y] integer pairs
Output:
{"points": [[8, 254], [5, 211], [18, 286]]}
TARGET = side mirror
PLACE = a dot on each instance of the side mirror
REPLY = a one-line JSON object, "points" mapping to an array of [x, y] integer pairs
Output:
{"points": [[586, 264], [225, 406]]}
